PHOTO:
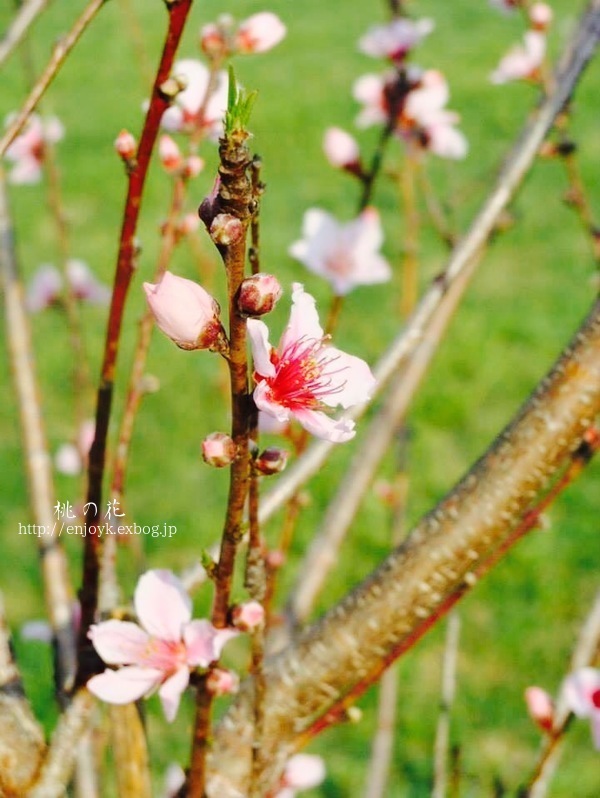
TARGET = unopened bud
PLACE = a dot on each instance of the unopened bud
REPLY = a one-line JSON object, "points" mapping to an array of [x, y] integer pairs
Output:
{"points": [[540, 16], [258, 294], [222, 682], [275, 559], [193, 166], [540, 707], [226, 229], [171, 87], [189, 224], [272, 461], [125, 145], [169, 154], [218, 449], [249, 616], [213, 41], [341, 149]]}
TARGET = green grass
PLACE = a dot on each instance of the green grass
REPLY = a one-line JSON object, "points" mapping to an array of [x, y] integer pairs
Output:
{"points": [[533, 288]]}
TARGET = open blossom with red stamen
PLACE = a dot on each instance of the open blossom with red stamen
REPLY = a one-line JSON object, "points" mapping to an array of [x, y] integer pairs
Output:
{"points": [[159, 652], [28, 150], [305, 375]]}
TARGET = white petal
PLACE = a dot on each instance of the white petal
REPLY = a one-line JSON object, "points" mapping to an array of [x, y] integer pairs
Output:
{"points": [[258, 332], [118, 642], [125, 685], [323, 426], [579, 687], [162, 605], [353, 381], [171, 690], [304, 320]]}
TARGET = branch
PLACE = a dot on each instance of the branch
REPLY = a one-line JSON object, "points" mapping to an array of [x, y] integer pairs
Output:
{"points": [[422, 578], [58, 593], [24, 17], [57, 59], [463, 260]]}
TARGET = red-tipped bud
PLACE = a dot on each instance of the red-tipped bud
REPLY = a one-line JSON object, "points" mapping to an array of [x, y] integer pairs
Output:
{"points": [[226, 229], [540, 707], [189, 224], [222, 682], [170, 155], [126, 145], [213, 41], [186, 313], [272, 461], [258, 294], [540, 16], [193, 166], [218, 449], [341, 149], [249, 616]]}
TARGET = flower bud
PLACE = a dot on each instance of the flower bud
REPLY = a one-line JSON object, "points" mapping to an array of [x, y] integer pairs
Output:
{"points": [[186, 313], [222, 682], [226, 229], [170, 154], [540, 16], [259, 33], [125, 145], [213, 41], [218, 449], [341, 149], [193, 166], [272, 461], [540, 707], [258, 294], [249, 616], [189, 224]]}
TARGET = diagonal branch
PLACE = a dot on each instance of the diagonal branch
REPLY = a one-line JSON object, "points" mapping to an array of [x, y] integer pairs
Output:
{"points": [[386, 614], [464, 258], [25, 16]]}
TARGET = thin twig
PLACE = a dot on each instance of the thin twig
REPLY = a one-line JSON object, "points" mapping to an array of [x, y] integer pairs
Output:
{"points": [[24, 18], [59, 595], [57, 59], [442, 736], [463, 258], [383, 741]]}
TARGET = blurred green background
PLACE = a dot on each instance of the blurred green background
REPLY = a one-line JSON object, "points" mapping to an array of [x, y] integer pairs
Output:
{"points": [[533, 288]]}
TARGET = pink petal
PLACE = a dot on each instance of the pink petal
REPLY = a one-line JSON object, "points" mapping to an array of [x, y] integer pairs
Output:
{"points": [[264, 402], [162, 605], [119, 642], [340, 148], [258, 333], [260, 33], [204, 643], [323, 426], [125, 685], [304, 771], [171, 690]]}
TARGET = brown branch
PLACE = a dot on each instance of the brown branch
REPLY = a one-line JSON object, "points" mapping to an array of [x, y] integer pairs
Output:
{"points": [[24, 18], [462, 263], [57, 59], [425, 576], [58, 592], [178, 11]]}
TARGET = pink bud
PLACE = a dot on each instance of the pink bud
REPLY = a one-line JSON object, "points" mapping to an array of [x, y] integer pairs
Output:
{"points": [[226, 229], [272, 461], [218, 449], [540, 15], [540, 707], [275, 559], [193, 166], [189, 224], [259, 33], [169, 154], [258, 294], [186, 313], [125, 145], [340, 148], [222, 682], [248, 616], [213, 41]]}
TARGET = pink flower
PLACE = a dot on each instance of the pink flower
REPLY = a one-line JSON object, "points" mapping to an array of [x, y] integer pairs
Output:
{"points": [[522, 62], [160, 651], [84, 283], [190, 111], [186, 313], [305, 375], [582, 693], [302, 772], [346, 255], [341, 149], [222, 682], [540, 707], [259, 33], [27, 151], [44, 288], [396, 39]]}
